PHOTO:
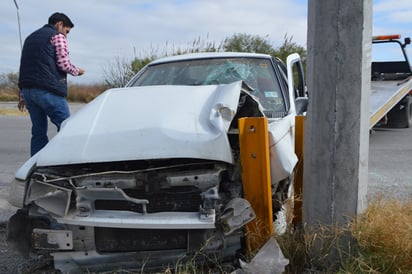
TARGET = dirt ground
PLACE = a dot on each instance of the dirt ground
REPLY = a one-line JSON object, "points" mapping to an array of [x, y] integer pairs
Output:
{"points": [[10, 260]]}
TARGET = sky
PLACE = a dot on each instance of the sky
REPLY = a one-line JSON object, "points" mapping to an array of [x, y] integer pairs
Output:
{"points": [[108, 31]]}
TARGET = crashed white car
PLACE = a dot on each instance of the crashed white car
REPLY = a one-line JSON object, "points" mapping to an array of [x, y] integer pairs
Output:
{"points": [[144, 176]]}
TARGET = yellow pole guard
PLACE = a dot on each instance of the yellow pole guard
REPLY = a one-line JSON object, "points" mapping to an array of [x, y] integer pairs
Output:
{"points": [[298, 182], [255, 161]]}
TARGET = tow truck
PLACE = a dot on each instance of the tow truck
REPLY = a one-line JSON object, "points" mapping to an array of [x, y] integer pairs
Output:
{"points": [[192, 161], [390, 100]]}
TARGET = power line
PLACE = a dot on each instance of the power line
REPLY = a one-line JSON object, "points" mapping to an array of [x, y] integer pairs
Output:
{"points": [[18, 21]]}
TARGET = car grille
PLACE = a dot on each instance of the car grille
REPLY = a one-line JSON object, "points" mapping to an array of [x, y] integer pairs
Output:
{"points": [[127, 240], [181, 199]]}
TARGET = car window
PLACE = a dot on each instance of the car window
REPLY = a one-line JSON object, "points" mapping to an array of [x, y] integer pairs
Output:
{"points": [[258, 73]]}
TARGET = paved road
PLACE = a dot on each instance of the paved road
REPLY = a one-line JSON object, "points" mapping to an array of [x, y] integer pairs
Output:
{"points": [[15, 150], [390, 158], [390, 163], [390, 171]]}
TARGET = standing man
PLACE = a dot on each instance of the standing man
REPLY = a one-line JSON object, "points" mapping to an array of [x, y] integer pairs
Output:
{"points": [[44, 66]]}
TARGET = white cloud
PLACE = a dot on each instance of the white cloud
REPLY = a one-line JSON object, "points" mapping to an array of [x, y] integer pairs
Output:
{"points": [[404, 16], [106, 29], [393, 13], [391, 5]]}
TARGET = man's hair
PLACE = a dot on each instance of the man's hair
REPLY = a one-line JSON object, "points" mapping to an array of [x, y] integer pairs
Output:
{"points": [[57, 17]]}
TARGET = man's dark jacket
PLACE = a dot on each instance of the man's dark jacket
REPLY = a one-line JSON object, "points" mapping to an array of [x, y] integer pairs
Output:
{"points": [[38, 68]]}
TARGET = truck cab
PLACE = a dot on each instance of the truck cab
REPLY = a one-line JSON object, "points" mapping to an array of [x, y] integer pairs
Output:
{"points": [[390, 59]]}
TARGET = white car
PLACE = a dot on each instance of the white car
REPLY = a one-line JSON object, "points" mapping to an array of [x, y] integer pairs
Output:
{"points": [[147, 175]]}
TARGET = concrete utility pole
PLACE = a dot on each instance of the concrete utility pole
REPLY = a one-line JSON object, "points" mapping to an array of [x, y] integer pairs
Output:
{"points": [[336, 133]]}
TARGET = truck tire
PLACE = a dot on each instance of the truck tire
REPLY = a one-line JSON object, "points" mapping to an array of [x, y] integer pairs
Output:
{"points": [[409, 111], [401, 115]]}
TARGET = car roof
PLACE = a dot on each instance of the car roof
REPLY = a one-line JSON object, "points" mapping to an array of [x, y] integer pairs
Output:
{"points": [[205, 55]]}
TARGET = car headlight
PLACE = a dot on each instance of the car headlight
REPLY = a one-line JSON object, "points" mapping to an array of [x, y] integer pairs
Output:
{"points": [[17, 193]]}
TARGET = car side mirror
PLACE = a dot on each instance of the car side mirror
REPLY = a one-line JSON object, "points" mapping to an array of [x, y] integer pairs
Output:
{"points": [[301, 105]]}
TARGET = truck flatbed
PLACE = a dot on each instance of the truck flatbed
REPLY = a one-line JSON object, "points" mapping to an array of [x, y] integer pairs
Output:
{"points": [[384, 95], [391, 89]]}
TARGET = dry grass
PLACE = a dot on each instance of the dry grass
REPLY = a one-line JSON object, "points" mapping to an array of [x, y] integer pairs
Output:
{"points": [[77, 93], [13, 112], [384, 235], [85, 93], [8, 94], [378, 241]]}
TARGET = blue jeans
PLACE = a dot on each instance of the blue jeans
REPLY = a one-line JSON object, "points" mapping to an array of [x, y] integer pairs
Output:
{"points": [[42, 104]]}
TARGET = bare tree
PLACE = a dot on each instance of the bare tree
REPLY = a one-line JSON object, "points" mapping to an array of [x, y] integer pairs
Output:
{"points": [[243, 42], [118, 73], [9, 81]]}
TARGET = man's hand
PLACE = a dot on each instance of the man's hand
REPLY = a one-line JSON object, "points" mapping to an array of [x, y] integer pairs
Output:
{"points": [[21, 106], [81, 71]]}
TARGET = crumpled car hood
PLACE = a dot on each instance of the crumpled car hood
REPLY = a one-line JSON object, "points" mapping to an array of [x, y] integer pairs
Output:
{"points": [[150, 122]]}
